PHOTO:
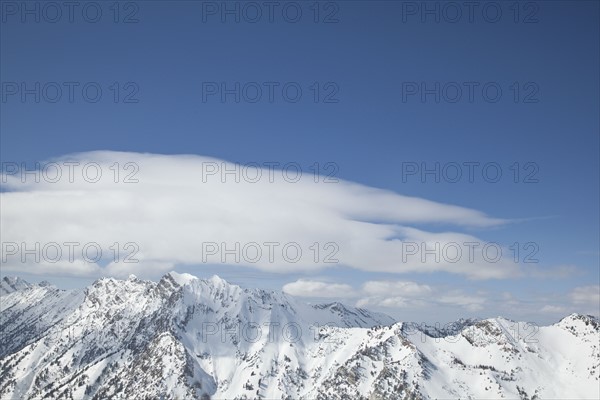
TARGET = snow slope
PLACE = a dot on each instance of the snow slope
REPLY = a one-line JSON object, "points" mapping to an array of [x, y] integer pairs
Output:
{"points": [[184, 337]]}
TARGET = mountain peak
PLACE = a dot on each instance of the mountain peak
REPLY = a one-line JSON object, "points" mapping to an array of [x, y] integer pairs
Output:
{"points": [[217, 281], [181, 279], [575, 318], [11, 284]]}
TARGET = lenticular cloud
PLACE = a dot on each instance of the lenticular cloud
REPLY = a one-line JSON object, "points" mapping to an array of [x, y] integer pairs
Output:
{"points": [[156, 211]]}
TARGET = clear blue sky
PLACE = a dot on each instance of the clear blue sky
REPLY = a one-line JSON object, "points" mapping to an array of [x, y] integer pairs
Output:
{"points": [[367, 56]]}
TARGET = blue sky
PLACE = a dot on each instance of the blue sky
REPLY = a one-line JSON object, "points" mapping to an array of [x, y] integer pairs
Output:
{"points": [[366, 58]]}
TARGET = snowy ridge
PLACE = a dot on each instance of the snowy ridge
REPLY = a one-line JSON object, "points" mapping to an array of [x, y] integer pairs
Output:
{"points": [[185, 337], [11, 284]]}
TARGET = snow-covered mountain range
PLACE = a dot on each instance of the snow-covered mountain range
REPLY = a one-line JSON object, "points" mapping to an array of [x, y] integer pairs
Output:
{"points": [[188, 338]]}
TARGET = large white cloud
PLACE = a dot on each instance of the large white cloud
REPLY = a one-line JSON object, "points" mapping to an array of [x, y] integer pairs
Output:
{"points": [[181, 205]]}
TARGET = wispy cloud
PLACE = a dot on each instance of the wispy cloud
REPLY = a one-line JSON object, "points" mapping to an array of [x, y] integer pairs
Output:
{"points": [[550, 309], [309, 288], [586, 296], [388, 294], [555, 272]]}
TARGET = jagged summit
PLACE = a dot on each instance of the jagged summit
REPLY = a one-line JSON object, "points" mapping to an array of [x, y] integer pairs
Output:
{"points": [[181, 279], [578, 322], [579, 317], [9, 284]]}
